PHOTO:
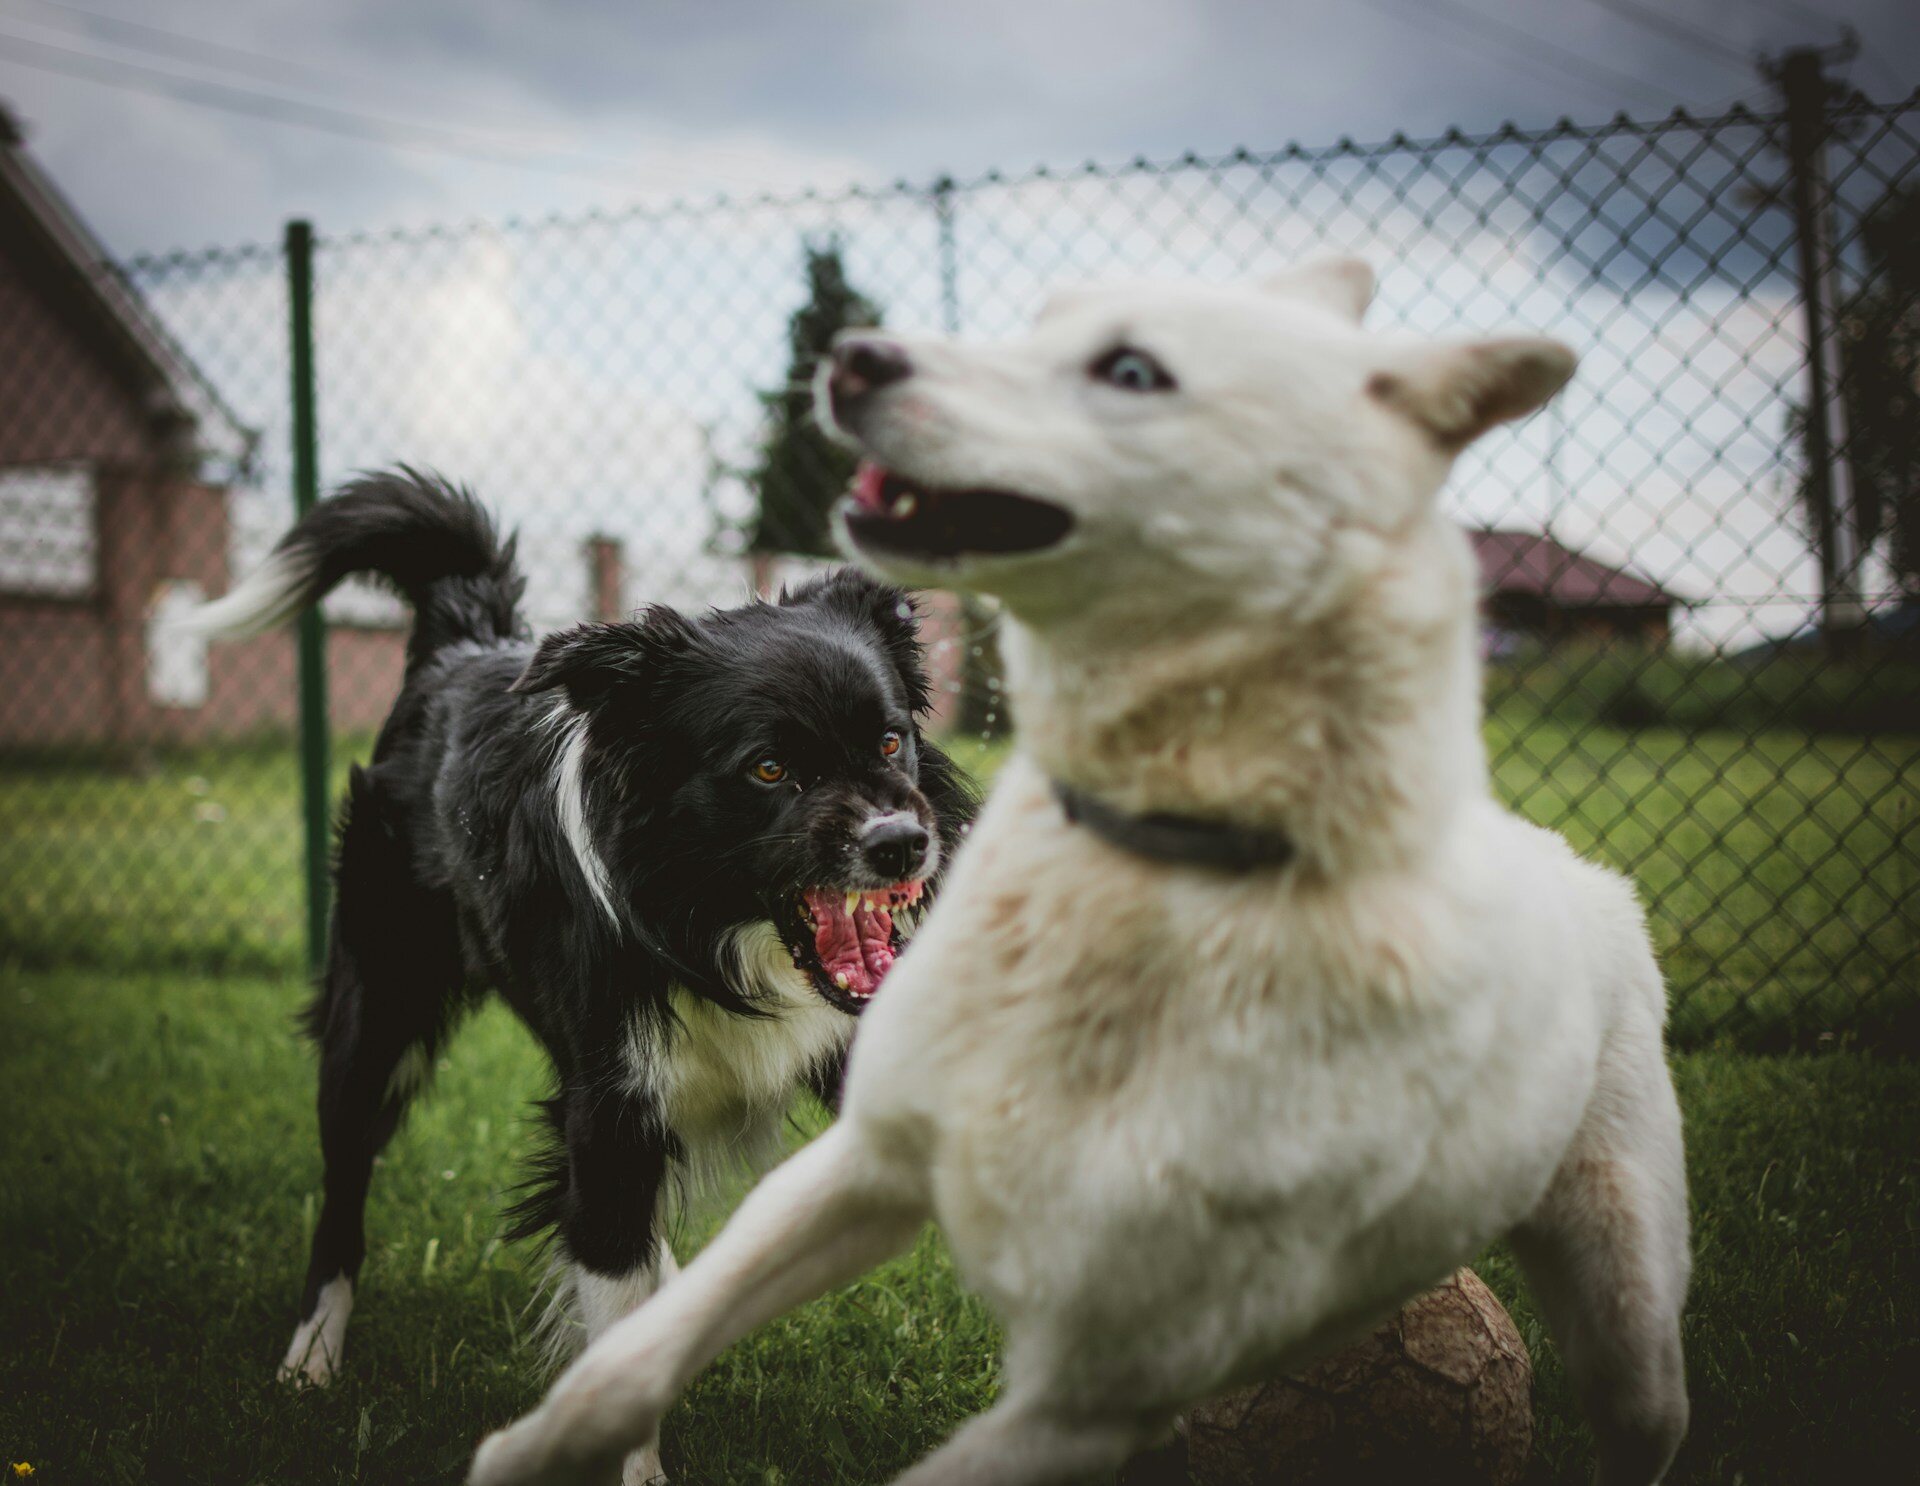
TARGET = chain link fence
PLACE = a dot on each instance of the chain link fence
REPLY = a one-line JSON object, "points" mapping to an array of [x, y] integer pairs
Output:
{"points": [[1699, 619]]}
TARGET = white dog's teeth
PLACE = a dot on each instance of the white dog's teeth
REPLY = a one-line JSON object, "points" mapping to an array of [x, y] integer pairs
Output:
{"points": [[853, 902], [840, 979], [906, 505]]}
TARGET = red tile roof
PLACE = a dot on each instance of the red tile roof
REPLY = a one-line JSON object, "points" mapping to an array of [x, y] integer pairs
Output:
{"points": [[1531, 563]]}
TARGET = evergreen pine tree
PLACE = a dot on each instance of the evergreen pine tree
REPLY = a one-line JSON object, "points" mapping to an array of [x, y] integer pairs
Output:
{"points": [[1879, 331], [800, 473]]}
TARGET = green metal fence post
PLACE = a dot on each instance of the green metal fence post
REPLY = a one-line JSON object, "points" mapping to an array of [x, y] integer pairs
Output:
{"points": [[949, 255], [312, 633]]}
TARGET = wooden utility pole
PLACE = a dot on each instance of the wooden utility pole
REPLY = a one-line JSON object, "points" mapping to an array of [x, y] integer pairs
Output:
{"points": [[1809, 92]]}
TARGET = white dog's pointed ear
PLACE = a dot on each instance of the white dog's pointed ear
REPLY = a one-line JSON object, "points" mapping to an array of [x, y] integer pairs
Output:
{"points": [[1458, 392], [1343, 285]]}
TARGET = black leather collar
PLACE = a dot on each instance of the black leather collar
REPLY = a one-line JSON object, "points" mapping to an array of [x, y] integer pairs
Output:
{"points": [[1181, 839]]}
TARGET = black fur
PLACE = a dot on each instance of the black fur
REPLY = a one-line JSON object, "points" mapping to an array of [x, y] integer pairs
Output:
{"points": [[455, 876]]}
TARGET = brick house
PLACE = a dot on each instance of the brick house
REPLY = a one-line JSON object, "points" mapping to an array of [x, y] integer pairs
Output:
{"points": [[109, 518], [118, 471]]}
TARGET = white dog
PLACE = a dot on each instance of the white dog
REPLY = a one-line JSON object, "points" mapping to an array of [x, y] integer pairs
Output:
{"points": [[1247, 1013]]}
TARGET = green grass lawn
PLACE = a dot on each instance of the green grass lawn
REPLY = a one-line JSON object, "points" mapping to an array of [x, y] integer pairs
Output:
{"points": [[159, 1173], [159, 1170], [1782, 869]]}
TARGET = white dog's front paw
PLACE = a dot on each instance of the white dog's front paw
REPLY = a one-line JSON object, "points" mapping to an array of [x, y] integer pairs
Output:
{"points": [[601, 1415], [511, 1457], [643, 1468], [534, 1452]]}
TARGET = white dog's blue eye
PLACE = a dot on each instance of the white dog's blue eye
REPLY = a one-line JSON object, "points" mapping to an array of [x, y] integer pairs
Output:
{"points": [[1131, 371]]}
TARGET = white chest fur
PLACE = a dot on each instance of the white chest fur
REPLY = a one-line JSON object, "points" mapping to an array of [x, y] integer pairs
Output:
{"points": [[724, 1081]]}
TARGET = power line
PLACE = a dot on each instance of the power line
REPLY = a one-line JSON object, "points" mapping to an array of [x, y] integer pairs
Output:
{"points": [[1518, 40], [1847, 41], [1753, 94], [139, 36], [398, 133], [326, 118], [1793, 10], [119, 34], [1665, 25], [1850, 48]]}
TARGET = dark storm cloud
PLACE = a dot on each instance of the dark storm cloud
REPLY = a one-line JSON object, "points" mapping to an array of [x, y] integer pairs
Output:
{"points": [[905, 81]]}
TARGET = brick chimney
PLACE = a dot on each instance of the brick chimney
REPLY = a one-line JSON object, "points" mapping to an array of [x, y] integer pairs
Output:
{"points": [[607, 578]]}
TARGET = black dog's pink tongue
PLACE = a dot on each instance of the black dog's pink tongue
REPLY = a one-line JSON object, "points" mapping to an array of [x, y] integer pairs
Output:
{"points": [[854, 944]]}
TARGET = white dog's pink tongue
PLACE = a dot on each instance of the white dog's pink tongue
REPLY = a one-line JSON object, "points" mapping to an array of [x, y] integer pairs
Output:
{"points": [[869, 486], [855, 947]]}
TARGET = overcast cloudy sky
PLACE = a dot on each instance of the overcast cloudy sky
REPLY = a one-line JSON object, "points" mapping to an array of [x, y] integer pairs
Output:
{"points": [[599, 378], [182, 122]]}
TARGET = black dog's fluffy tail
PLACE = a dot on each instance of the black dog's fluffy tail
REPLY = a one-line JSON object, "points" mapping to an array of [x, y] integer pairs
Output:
{"points": [[426, 538]]}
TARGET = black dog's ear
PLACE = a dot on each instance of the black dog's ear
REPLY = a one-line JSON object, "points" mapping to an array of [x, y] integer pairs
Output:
{"points": [[589, 660], [593, 661], [890, 612]]}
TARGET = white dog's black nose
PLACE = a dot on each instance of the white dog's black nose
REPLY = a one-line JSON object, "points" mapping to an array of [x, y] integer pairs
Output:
{"points": [[861, 365], [895, 847]]}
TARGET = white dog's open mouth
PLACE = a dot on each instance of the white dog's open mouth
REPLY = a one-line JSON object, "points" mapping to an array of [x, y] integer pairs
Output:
{"points": [[888, 514]]}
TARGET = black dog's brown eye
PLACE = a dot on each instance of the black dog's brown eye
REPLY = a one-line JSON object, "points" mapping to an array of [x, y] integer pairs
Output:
{"points": [[769, 771], [1131, 371], [889, 743]]}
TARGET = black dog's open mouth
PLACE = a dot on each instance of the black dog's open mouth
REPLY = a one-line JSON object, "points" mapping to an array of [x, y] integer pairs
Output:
{"points": [[887, 513], [846, 940]]}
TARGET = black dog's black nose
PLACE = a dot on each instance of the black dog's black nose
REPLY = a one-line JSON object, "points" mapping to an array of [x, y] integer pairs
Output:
{"points": [[864, 363], [895, 847]]}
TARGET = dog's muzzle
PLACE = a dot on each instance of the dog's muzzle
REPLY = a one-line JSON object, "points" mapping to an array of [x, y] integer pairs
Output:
{"points": [[860, 366]]}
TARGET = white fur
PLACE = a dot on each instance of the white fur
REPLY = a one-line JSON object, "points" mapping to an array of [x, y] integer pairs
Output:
{"points": [[319, 1342], [265, 599], [1184, 1129], [600, 1300], [725, 1081], [570, 804]]}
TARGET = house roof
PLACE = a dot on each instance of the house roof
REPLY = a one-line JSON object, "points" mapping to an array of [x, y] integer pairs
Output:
{"points": [[177, 392], [1533, 563]]}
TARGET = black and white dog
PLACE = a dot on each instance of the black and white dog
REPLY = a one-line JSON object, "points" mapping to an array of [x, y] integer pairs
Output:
{"points": [[684, 850]]}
